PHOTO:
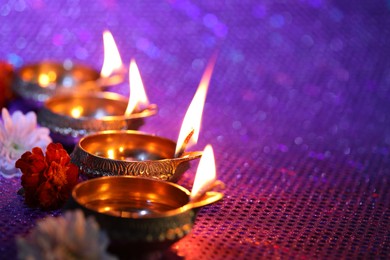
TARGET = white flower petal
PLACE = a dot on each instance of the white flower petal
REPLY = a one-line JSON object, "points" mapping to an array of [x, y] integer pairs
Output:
{"points": [[19, 133], [10, 172], [7, 120], [61, 237]]}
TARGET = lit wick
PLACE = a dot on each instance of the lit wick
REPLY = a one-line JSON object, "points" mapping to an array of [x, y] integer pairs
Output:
{"points": [[206, 192], [205, 178], [193, 117], [184, 144]]}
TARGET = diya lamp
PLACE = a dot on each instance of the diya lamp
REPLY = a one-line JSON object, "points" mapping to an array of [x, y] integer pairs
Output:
{"points": [[144, 215], [37, 82], [71, 116], [133, 153]]}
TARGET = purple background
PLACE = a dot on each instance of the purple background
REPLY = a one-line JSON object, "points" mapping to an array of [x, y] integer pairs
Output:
{"points": [[297, 112]]}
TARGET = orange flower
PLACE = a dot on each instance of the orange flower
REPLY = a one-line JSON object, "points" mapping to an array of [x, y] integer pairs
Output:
{"points": [[47, 180]]}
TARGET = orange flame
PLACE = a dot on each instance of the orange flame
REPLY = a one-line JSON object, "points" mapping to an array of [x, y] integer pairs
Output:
{"points": [[77, 111], [112, 59], [193, 118], [206, 173], [137, 91]]}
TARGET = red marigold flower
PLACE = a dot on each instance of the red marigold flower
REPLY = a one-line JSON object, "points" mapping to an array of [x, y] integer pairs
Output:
{"points": [[32, 164], [56, 153], [48, 181], [72, 177], [47, 196]]}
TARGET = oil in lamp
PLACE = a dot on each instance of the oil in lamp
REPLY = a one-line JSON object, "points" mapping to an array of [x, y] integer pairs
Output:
{"points": [[144, 215]]}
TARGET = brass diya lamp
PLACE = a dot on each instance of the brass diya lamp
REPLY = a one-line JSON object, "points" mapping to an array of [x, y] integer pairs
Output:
{"points": [[130, 152], [78, 114], [40, 81], [138, 154], [143, 214]]}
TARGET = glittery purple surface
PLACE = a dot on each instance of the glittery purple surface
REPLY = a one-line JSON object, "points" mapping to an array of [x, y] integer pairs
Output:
{"points": [[297, 113]]}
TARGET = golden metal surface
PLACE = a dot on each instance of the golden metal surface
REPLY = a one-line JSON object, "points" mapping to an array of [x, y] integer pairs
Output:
{"points": [[80, 113], [132, 197], [42, 80], [139, 213], [129, 152]]}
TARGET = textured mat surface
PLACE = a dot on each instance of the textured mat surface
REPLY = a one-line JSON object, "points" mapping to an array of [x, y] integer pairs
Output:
{"points": [[297, 113]]}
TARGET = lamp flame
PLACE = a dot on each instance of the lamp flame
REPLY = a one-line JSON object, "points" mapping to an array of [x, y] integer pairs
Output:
{"points": [[45, 79], [77, 111], [206, 174], [192, 119], [138, 96], [112, 59]]}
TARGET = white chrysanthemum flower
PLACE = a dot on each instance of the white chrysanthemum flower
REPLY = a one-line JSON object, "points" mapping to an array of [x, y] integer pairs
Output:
{"points": [[68, 237], [19, 133]]}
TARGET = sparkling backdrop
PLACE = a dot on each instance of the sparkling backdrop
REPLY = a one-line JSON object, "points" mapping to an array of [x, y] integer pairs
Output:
{"points": [[297, 112]]}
